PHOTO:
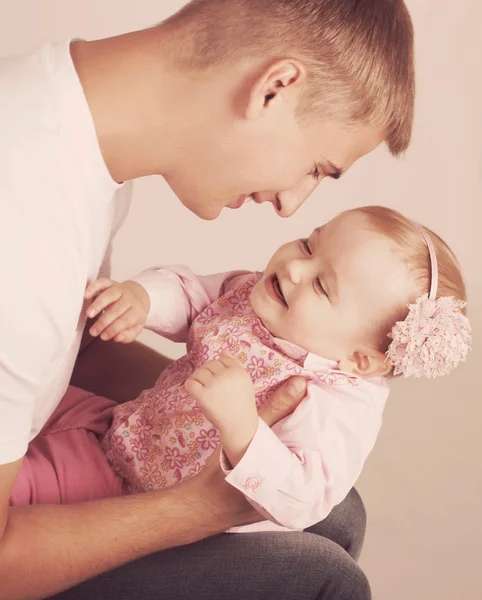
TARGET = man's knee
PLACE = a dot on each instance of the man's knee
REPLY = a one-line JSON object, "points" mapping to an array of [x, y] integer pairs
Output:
{"points": [[345, 580], [294, 565], [345, 525], [329, 573]]}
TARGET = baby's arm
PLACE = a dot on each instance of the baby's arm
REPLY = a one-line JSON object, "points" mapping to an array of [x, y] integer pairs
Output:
{"points": [[297, 472], [178, 296], [165, 300]]}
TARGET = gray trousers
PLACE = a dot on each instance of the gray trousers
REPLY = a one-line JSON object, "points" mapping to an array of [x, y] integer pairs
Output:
{"points": [[318, 564]]}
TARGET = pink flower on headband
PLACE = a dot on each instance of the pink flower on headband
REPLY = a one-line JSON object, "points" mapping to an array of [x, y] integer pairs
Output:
{"points": [[432, 340]]}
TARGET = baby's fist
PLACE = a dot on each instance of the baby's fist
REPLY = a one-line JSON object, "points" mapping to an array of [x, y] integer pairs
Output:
{"points": [[224, 391]]}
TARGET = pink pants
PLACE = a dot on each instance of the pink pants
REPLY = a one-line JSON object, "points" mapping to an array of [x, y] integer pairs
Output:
{"points": [[65, 463]]}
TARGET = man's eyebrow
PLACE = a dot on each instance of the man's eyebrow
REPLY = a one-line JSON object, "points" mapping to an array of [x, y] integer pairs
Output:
{"points": [[335, 172]]}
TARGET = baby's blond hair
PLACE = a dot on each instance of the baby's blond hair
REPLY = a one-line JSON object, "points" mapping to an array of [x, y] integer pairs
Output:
{"points": [[358, 53], [414, 253]]}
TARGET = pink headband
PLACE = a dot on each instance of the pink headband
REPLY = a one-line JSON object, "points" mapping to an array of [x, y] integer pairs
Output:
{"points": [[432, 295], [435, 336]]}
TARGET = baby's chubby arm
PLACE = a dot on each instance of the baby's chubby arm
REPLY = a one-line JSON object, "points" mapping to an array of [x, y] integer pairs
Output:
{"points": [[296, 473], [163, 299], [225, 393]]}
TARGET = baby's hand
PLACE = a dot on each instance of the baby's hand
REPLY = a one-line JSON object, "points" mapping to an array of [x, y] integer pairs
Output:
{"points": [[225, 393], [125, 307]]}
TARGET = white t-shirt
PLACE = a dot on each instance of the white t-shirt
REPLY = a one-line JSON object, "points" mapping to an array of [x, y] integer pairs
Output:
{"points": [[59, 210]]}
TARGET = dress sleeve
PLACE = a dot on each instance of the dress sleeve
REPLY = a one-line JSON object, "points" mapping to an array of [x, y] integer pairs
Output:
{"points": [[178, 296]]}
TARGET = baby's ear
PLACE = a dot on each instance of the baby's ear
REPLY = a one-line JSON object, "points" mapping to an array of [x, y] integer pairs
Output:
{"points": [[366, 363]]}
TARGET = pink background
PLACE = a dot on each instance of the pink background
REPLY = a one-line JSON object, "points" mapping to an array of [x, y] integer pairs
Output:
{"points": [[423, 484]]}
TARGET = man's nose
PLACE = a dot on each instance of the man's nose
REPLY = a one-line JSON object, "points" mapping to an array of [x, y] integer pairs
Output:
{"points": [[290, 201], [286, 203]]}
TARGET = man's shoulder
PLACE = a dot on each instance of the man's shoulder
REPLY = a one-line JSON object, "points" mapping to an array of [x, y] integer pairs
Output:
{"points": [[25, 91], [28, 124]]}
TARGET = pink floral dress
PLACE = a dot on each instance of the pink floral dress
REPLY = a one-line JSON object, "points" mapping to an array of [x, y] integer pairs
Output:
{"points": [[162, 437]]}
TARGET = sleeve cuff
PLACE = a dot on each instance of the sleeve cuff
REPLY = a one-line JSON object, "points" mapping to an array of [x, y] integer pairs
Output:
{"points": [[262, 468], [150, 282]]}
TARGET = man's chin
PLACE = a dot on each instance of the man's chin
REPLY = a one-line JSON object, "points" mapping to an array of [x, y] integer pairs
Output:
{"points": [[206, 212], [207, 216]]}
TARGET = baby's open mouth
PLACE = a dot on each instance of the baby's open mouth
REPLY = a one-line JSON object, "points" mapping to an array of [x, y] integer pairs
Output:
{"points": [[277, 289]]}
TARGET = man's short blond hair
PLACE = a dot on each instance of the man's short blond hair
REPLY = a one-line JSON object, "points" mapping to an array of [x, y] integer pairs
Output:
{"points": [[358, 53]]}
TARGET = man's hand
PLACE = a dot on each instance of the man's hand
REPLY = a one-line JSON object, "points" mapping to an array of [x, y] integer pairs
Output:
{"points": [[227, 502], [124, 308], [284, 401]]}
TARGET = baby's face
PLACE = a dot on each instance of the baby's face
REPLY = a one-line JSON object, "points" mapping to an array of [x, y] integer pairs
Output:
{"points": [[328, 292]]}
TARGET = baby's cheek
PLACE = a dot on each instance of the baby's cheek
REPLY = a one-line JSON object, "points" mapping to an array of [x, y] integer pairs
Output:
{"points": [[304, 320], [302, 323], [311, 313], [311, 327]]}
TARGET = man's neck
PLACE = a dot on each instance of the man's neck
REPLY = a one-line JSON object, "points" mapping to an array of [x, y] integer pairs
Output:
{"points": [[129, 91]]}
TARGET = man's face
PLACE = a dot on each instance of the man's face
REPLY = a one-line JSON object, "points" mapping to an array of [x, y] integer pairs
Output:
{"points": [[272, 159]]}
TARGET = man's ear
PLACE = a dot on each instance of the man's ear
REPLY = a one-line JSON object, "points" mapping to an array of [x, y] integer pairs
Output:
{"points": [[366, 363], [282, 81]]}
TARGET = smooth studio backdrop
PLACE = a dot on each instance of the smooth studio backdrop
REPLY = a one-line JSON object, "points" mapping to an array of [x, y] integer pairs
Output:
{"points": [[423, 484]]}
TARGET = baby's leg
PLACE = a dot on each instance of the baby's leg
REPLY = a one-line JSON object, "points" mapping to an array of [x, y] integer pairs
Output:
{"points": [[65, 463]]}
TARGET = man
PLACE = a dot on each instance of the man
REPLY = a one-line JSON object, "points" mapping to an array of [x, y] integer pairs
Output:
{"points": [[227, 99]]}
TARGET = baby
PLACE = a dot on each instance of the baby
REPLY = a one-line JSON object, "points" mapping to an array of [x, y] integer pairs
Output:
{"points": [[367, 296]]}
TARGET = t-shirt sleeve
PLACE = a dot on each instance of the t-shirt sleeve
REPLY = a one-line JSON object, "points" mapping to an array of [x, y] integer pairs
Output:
{"points": [[40, 309], [27, 359]]}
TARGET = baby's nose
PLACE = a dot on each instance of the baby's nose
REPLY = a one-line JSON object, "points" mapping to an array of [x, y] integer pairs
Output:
{"points": [[294, 270]]}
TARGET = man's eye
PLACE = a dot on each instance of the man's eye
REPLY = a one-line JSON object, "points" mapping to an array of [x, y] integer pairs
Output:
{"points": [[306, 246]]}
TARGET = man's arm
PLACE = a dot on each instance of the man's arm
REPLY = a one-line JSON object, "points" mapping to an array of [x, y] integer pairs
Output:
{"points": [[45, 549], [8, 475], [119, 372]]}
